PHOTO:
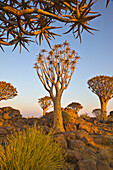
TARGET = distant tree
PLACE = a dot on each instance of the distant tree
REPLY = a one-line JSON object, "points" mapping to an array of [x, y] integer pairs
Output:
{"points": [[96, 112], [76, 106], [45, 103], [103, 87], [55, 72], [22, 19], [7, 91]]}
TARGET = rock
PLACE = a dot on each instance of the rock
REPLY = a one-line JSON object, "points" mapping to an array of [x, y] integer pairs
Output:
{"points": [[87, 164], [69, 135], [2, 131], [70, 127], [111, 165], [73, 156], [61, 140], [102, 166], [6, 116], [84, 136], [98, 139], [107, 140], [77, 145], [1, 123], [109, 120]]}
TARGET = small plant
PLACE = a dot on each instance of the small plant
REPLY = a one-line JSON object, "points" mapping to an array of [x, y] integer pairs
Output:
{"points": [[31, 149]]}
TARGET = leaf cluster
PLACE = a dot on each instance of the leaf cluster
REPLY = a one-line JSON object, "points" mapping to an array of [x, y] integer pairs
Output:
{"points": [[45, 102], [7, 91], [21, 20], [102, 86]]}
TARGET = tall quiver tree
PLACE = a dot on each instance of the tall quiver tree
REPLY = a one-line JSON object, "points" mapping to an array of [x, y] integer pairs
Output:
{"points": [[45, 103], [55, 72], [103, 87], [7, 91]]}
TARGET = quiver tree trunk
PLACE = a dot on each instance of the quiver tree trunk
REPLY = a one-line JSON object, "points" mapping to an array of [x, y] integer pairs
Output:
{"points": [[58, 120], [44, 111], [103, 115]]}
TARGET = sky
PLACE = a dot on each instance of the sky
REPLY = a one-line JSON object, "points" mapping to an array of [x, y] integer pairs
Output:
{"points": [[96, 58]]}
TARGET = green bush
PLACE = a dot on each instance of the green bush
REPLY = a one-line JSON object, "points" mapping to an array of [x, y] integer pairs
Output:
{"points": [[31, 150]]}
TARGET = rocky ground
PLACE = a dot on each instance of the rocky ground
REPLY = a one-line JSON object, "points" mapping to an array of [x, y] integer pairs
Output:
{"points": [[87, 142]]}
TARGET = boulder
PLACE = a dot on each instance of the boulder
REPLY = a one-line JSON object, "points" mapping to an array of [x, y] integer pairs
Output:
{"points": [[87, 164], [60, 138], [77, 145], [69, 135], [101, 165], [73, 156]]}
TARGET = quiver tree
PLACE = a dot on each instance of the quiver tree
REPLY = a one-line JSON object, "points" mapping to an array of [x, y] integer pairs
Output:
{"points": [[55, 71], [45, 103], [103, 87], [96, 112], [76, 106], [22, 19], [7, 91]]}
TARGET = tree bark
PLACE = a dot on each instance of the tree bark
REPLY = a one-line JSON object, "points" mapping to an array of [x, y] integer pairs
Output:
{"points": [[58, 120], [103, 115], [44, 112]]}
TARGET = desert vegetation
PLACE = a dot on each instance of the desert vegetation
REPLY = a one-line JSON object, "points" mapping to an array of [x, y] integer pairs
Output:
{"points": [[45, 103], [31, 149], [55, 71], [76, 106], [21, 20], [7, 91], [102, 86]]}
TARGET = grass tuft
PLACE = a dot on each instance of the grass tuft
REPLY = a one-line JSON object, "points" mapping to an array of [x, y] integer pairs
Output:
{"points": [[31, 150]]}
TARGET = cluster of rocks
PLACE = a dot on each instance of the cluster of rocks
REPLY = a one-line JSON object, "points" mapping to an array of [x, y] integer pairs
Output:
{"points": [[87, 142]]}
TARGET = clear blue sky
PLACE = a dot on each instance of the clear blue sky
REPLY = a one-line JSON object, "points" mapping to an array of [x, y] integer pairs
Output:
{"points": [[96, 52]]}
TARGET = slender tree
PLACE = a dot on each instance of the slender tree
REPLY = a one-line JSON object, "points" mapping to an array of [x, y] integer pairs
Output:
{"points": [[45, 103], [103, 87], [76, 106], [55, 71], [7, 91], [22, 19]]}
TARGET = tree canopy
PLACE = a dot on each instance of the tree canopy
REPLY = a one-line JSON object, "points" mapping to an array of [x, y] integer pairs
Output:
{"points": [[21, 20], [103, 87], [7, 91]]}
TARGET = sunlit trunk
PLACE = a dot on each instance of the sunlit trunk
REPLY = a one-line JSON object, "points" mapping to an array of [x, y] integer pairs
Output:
{"points": [[103, 114], [58, 120], [44, 112]]}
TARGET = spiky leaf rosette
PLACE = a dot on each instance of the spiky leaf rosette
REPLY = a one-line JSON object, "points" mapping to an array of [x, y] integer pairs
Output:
{"points": [[21, 20]]}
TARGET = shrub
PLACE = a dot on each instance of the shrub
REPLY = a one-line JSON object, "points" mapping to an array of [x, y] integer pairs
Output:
{"points": [[31, 150]]}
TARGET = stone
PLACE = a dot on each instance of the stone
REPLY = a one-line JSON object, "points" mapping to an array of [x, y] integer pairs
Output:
{"points": [[2, 131], [77, 144], [102, 166], [73, 156], [87, 164], [109, 120], [6, 116], [111, 165], [60, 138], [98, 139], [70, 127], [69, 135]]}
